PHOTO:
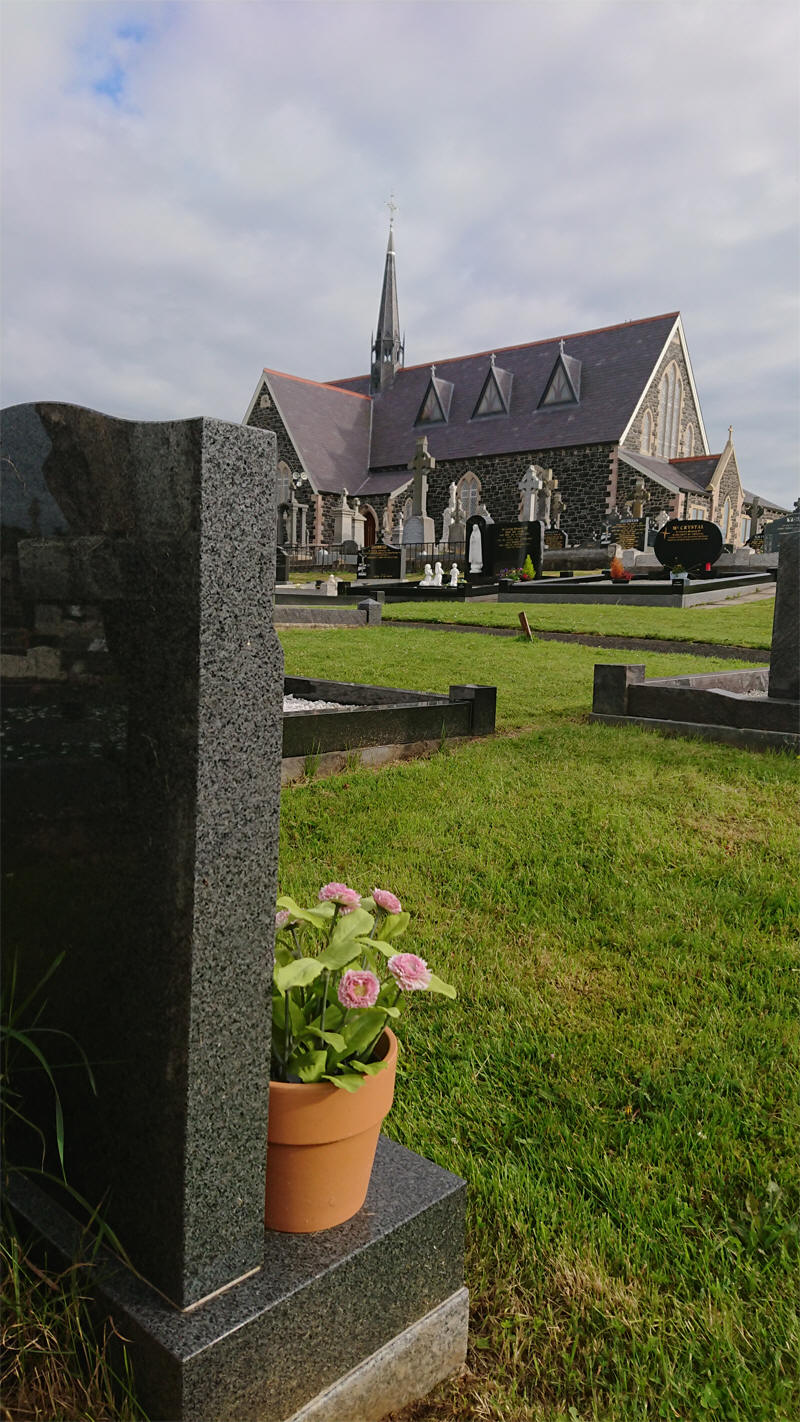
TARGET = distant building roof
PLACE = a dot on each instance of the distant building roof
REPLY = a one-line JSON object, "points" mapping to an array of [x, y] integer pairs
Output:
{"points": [[616, 364], [329, 428]]}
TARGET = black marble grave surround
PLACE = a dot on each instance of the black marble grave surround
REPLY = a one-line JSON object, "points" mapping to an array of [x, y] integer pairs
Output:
{"points": [[142, 820], [321, 1304]]}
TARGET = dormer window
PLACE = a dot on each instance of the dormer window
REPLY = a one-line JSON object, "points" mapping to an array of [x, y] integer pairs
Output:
{"points": [[564, 385], [495, 397], [435, 407]]}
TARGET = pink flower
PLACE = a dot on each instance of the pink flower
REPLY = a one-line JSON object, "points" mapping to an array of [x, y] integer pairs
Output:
{"points": [[409, 972], [358, 989], [387, 901], [347, 899], [282, 918]]}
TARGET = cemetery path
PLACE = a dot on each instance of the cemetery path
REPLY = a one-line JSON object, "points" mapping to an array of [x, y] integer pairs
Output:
{"points": [[759, 655]]}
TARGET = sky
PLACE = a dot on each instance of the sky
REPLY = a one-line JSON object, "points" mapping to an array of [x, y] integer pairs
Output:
{"points": [[194, 190]]}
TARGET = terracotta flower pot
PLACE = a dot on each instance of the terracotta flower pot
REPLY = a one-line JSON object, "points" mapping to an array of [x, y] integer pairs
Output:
{"points": [[321, 1143]]}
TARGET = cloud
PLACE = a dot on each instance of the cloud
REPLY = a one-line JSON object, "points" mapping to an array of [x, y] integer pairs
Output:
{"points": [[196, 190]]}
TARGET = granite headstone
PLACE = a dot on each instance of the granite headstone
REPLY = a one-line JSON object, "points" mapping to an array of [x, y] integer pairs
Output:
{"points": [[688, 543], [143, 705], [784, 660]]}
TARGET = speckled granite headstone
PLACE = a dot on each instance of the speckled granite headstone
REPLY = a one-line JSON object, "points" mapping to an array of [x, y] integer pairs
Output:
{"points": [[143, 709], [784, 658]]}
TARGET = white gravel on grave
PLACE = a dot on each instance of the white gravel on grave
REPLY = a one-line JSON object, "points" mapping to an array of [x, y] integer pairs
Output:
{"points": [[299, 703]]}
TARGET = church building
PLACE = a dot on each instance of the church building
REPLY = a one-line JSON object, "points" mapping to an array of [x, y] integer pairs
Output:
{"points": [[610, 412]]}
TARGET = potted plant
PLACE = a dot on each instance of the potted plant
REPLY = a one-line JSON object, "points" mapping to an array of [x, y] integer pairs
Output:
{"points": [[619, 573], [678, 576], [337, 983]]}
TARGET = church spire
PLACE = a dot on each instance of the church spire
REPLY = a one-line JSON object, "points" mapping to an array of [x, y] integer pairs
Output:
{"points": [[388, 350]]}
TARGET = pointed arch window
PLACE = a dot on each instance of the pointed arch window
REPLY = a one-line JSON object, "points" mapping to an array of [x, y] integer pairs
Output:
{"points": [[435, 407], [646, 442], [564, 385], [495, 397], [725, 520], [468, 491], [284, 482], [670, 399]]}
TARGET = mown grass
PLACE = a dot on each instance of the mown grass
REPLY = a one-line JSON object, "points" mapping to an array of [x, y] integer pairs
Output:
{"points": [[744, 625], [618, 1079], [538, 682]]}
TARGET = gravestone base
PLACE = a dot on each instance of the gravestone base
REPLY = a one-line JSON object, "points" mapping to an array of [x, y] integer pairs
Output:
{"points": [[346, 1324]]}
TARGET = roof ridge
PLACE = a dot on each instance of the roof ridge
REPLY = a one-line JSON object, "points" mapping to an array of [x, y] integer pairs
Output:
{"points": [[321, 384], [526, 345], [693, 458]]}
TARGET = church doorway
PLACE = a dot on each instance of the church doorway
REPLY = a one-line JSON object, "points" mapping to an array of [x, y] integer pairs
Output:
{"points": [[370, 528]]}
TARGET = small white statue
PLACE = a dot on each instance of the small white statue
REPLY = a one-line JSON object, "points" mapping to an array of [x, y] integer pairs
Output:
{"points": [[454, 575], [427, 578], [332, 586], [475, 553], [437, 575]]}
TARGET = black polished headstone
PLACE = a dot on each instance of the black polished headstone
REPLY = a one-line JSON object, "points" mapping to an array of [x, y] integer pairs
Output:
{"points": [[688, 543], [281, 565], [555, 539], [383, 562], [143, 708], [511, 543]]}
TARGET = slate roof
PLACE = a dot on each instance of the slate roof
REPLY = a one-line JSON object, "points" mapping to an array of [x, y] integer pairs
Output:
{"points": [[617, 363], [329, 428], [667, 472]]}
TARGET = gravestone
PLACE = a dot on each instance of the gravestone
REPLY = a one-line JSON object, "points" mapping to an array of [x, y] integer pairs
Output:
{"points": [[419, 526], [511, 543], [555, 539], [784, 660], [688, 543], [773, 533], [383, 562], [631, 533], [281, 565], [152, 668], [143, 695]]}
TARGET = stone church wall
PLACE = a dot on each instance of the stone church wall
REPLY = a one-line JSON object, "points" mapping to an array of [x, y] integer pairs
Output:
{"points": [[656, 500], [689, 411], [584, 479], [730, 488]]}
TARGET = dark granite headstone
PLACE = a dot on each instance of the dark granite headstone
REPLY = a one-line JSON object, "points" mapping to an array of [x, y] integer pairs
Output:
{"points": [[383, 562], [143, 707], [631, 533], [688, 543], [281, 565], [784, 659], [511, 543], [555, 539]]}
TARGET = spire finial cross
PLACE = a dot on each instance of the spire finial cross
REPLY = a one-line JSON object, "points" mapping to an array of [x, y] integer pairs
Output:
{"points": [[393, 208]]}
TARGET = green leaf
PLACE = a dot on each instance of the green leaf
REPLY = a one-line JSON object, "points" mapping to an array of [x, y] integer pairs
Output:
{"points": [[343, 947], [309, 1066], [334, 1039], [363, 1028], [320, 916], [368, 945], [393, 925], [368, 1068], [436, 985], [348, 1081], [299, 973]]}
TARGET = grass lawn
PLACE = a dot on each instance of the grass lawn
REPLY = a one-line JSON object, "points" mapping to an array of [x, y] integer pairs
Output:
{"points": [[618, 1079], [746, 625]]}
